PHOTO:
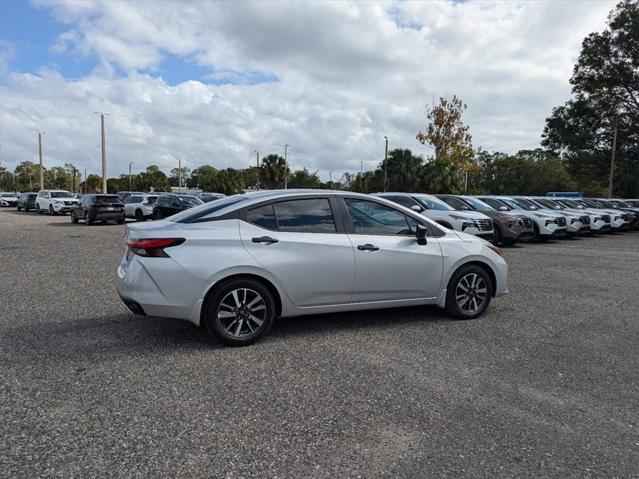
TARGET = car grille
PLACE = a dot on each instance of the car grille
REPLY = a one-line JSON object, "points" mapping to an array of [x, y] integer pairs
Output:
{"points": [[585, 220], [484, 225], [606, 218], [561, 221]]}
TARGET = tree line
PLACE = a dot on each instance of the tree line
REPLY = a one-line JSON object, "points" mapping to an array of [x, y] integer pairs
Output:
{"points": [[599, 124]]}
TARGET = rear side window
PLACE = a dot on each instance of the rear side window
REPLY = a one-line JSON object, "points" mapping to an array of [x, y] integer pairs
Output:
{"points": [[300, 216], [373, 218], [263, 216]]}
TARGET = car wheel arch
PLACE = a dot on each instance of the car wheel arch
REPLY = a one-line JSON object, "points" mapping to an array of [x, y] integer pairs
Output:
{"points": [[264, 281], [481, 264]]}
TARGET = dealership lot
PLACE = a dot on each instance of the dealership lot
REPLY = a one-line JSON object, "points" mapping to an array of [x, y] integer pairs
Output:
{"points": [[545, 384]]}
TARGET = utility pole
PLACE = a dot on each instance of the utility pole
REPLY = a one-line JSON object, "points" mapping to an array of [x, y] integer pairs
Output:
{"points": [[286, 166], [180, 176], [40, 133], [257, 154], [104, 160], [74, 180], [385, 161], [86, 188], [612, 158], [130, 183], [465, 181]]}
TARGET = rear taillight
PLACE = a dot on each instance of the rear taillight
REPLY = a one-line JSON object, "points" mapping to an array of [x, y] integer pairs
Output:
{"points": [[153, 247]]}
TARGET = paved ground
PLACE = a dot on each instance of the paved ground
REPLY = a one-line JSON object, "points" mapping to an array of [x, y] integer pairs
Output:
{"points": [[545, 385]]}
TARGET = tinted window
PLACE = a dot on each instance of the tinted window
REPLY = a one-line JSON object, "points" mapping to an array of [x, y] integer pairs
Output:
{"points": [[433, 203], [107, 199], [263, 216], [372, 218], [404, 201], [456, 203], [208, 211], [133, 199], [61, 194], [305, 216], [498, 205]]}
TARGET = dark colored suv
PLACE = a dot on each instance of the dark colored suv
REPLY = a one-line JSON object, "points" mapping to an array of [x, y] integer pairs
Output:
{"points": [[167, 205], [27, 201], [100, 208]]}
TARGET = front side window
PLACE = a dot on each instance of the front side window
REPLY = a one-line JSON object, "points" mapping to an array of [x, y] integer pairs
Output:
{"points": [[456, 203], [497, 204], [404, 201], [373, 218], [432, 203]]}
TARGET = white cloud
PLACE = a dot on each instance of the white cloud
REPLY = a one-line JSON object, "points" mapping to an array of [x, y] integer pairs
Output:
{"points": [[349, 73]]}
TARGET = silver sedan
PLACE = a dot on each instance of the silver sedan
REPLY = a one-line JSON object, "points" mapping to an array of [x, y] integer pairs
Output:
{"points": [[236, 264]]}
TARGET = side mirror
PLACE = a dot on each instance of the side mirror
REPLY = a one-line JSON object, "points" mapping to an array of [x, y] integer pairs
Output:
{"points": [[417, 208], [503, 208], [420, 233]]}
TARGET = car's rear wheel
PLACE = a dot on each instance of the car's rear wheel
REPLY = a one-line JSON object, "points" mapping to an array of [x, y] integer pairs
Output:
{"points": [[139, 216], [74, 219], [87, 219], [240, 312], [157, 215], [469, 292]]}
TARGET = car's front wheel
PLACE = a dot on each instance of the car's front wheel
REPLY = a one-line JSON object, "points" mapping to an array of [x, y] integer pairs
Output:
{"points": [[469, 292], [240, 312], [74, 218]]}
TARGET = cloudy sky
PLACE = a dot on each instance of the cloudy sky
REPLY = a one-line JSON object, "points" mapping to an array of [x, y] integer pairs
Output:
{"points": [[209, 83]]}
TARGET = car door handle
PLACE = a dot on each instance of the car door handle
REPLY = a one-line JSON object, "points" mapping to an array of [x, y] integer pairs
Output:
{"points": [[367, 247], [265, 239]]}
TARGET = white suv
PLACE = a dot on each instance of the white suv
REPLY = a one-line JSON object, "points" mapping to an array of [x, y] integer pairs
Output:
{"points": [[55, 201], [139, 206], [469, 222]]}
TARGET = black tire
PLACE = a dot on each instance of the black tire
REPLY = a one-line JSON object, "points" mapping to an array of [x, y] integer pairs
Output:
{"points": [[220, 327], [457, 283], [38, 208], [496, 236], [87, 219], [139, 216], [51, 212], [157, 215], [121, 221], [74, 220], [19, 208]]}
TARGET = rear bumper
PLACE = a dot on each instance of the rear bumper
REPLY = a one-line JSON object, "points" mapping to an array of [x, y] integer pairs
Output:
{"points": [[107, 216]]}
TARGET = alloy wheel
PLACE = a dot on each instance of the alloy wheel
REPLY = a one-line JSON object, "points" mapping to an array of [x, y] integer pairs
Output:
{"points": [[241, 312], [471, 293]]}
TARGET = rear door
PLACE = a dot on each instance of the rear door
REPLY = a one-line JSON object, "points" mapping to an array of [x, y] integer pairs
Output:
{"points": [[300, 242], [389, 263]]}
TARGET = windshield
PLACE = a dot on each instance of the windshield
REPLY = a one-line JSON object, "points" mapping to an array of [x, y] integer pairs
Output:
{"points": [[478, 204], [206, 209], [606, 204], [432, 203], [61, 194], [525, 204], [499, 205], [571, 204], [634, 203], [550, 204], [621, 204], [7, 195]]}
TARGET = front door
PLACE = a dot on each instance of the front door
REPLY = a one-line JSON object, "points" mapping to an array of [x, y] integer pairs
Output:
{"points": [[298, 242], [389, 263]]}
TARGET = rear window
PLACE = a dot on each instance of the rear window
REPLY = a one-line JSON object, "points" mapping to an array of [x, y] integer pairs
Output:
{"points": [[106, 199]]}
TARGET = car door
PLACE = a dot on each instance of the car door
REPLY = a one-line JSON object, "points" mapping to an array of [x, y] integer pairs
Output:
{"points": [[299, 242], [389, 262]]}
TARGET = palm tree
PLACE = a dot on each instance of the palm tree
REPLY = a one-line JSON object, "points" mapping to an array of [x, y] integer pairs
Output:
{"points": [[273, 171]]}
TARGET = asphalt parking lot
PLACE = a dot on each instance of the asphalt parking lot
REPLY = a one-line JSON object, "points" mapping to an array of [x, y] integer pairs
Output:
{"points": [[545, 385]]}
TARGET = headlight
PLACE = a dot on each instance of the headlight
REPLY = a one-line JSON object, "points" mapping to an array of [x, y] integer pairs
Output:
{"points": [[59, 203], [546, 217]]}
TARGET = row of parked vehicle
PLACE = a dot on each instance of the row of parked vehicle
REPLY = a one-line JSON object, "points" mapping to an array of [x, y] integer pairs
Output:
{"points": [[92, 208], [499, 219]]}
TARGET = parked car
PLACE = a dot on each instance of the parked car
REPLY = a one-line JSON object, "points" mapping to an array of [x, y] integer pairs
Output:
{"points": [[593, 221], [470, 222], [55, 201], [206, 197], [170, 204], [619, 220], [576, 223], [235, 264], [628, 208], [8, 199], [546, 224], [26, 201], [508, 226], [102, 208], [140, 206]]}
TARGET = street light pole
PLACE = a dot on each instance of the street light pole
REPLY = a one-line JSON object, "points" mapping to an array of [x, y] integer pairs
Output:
{"points": [[257, 154], [40, 133], [385, 161], [179, 176], [286, 166], [130, 183], [612, 159], [104, 160]]}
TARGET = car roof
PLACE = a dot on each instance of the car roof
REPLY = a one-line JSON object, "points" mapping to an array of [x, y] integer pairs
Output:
{"points": [[402, 193]]}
